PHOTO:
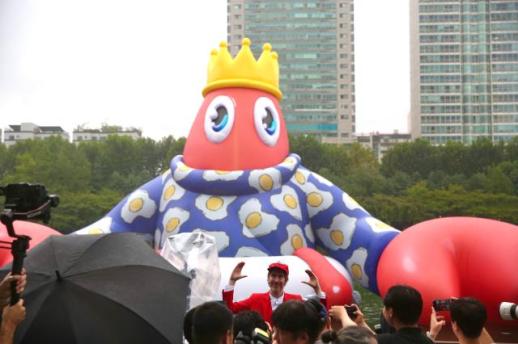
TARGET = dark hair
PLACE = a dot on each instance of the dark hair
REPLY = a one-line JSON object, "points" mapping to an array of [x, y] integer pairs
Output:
{"points": [[210, 323], [297, 318], [187, 325], [319, 309], [348, 335], [470, 316], [246, 321], [405, 302]]}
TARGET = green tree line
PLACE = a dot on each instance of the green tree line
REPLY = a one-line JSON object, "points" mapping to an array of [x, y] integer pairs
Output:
{"points": [[415, 181]]}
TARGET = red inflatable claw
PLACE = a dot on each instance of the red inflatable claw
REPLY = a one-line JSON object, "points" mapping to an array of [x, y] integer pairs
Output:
{"points": [[36, 231], [455, 257]]}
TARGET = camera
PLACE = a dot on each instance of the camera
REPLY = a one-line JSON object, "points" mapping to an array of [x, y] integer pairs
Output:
{"points": [[258, 336], [351, 312], [27, 198], [441, 305], [508, 311]]}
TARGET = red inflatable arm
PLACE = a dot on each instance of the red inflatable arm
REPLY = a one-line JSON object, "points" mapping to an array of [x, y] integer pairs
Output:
{"points": [[455, 257], [336, 286], [37, 232]]}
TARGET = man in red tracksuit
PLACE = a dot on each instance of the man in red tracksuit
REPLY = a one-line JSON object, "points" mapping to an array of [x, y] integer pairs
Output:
{"points": [[266, 303]]}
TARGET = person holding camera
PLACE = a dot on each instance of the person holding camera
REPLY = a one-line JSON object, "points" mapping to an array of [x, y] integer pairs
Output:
{"points": [[468, 317], [402, 306], [347, 316], [13, 315], [266, 303], [5, 286]]}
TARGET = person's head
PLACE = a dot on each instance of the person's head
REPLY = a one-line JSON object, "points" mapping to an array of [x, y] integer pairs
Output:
{"points": [[277, 278], [350, 335], [246, 321], [187, 325], [212, 324], [468, 317], [320, 310], [402, 306], [295, 322]]}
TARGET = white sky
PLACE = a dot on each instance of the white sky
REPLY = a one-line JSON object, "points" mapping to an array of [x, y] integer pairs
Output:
{"points": [[142, 63]]}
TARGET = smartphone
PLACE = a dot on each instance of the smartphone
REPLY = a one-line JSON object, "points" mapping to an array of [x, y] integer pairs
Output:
{"points": [[441, 305], [350, 312]]}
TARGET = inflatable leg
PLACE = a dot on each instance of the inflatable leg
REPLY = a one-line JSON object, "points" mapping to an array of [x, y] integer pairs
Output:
{"points": [[455, 257]]}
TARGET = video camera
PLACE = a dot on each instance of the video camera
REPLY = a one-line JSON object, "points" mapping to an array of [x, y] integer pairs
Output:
{"points": [[23, 202], [29, 201], [258, 336]]}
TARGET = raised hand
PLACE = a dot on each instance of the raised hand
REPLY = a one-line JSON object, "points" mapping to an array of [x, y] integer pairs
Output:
{"points": [[436, 323], [313, 282], [339, 313], [236, 274]]}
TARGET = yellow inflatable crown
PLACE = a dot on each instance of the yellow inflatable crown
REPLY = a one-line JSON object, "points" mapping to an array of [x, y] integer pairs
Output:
{"points": [[244, 70]]}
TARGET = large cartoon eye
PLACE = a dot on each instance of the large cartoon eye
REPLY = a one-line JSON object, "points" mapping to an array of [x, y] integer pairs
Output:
{"points": [[219, 118], [266, 121]]}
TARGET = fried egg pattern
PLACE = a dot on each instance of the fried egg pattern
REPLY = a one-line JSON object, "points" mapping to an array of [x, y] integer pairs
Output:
{"points": [[212, 175], [100, 227], [174, 219], [295, 240], [339, 235], [181, 171], [356, 266], [350, 203], [265, 180], [379, 226], [214, 207], [256, 223], [317, 200], [287, 201], [138, 204], [171, 192]]}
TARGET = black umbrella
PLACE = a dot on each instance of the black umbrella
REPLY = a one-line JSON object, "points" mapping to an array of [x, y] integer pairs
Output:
{"points": [[101, 289]]}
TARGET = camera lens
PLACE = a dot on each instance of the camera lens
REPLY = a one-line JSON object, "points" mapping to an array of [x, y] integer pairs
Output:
{"points": [[508, 311]]}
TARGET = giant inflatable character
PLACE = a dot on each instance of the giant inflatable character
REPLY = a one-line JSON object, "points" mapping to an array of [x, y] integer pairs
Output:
{"points": [[238, 181]]}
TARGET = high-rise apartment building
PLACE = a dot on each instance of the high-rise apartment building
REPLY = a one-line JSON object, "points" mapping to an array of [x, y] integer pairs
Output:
{"points": [[464, 56], [315, 43]]}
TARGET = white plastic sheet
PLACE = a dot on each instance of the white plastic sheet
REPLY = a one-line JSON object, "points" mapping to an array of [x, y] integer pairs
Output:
{"points": [[196, 254]]}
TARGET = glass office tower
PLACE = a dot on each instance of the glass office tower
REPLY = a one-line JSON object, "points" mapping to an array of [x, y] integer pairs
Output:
{"points": [[315, 43], [464, 57]]}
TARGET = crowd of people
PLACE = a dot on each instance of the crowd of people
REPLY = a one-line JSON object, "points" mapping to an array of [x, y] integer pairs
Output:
{"points": [[282, 318]]}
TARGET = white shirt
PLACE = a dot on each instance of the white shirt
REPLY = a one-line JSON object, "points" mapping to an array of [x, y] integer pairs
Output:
{"points": [[276, 301]]}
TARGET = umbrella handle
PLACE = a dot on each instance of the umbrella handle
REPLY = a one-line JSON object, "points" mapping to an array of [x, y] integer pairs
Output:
{"points": [[19, 251]]}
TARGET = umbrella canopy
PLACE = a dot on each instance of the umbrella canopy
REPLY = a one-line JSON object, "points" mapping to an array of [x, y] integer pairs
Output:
{"points": [[101, 289]]}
